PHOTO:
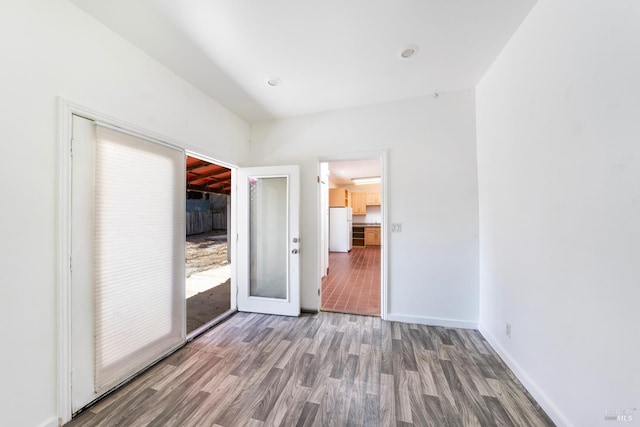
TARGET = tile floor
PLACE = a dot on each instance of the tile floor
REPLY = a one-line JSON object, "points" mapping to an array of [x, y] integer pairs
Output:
{"points": [[353, 282]]}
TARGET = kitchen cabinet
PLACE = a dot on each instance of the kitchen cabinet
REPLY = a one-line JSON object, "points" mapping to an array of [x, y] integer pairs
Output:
{"points": [[358, 236], [373, 199], [338, 198], [372, 236], [359, 203]]}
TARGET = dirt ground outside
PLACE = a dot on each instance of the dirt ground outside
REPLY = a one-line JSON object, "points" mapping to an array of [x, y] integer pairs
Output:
{"points": [[208, 280], [206, 250]]}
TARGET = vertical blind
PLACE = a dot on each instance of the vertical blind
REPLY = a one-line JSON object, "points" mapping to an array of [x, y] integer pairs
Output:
{"points": [[139, 254]]}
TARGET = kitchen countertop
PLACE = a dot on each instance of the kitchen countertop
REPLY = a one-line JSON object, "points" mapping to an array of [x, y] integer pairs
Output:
{"points": [[365, 224]]}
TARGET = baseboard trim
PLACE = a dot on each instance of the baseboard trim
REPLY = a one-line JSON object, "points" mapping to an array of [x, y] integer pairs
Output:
{"points": [[53, 422], [549, 407], [433, 321]]}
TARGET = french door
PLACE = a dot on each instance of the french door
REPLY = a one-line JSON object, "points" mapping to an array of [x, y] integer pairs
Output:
{"points": [[128, 252], [269, 240], [127, 268]]}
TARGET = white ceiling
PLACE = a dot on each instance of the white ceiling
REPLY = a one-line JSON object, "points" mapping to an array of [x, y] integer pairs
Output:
{"points": [[341, 172], [329, 54]]}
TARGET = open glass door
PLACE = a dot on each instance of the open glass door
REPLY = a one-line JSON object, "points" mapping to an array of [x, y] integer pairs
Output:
{"points": [[268, 240]]}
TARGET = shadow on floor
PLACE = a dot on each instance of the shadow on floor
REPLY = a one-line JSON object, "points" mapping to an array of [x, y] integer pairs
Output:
{"points": [[207, 305]]}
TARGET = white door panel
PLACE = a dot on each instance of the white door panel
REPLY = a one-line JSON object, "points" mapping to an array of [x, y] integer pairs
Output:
{"points": [[127, 246], [268, 240]]}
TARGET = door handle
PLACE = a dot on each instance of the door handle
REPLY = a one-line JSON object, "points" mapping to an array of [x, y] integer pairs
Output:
{"points": [[295, 251]]}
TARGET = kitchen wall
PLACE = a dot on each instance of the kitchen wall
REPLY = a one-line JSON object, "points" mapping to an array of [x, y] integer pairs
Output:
{"points": [[559, 184], [432, 192], [51, 48]]}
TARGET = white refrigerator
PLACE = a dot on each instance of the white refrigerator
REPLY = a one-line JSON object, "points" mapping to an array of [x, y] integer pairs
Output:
{"points": [[340, 229]]}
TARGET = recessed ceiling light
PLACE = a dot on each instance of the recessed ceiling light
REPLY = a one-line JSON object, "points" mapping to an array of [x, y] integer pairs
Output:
{"points": [[273, 81], [408, 51]]}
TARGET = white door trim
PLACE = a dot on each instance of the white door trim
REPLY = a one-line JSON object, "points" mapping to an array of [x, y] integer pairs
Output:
{"points": [[384, 177], [66, 110]]}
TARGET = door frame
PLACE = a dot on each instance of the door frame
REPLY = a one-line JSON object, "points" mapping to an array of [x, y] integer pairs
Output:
{"points": [[66, 110], [382, 155]]}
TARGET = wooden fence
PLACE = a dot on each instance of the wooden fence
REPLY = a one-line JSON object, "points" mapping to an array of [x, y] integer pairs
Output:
{"points": [[205, 215], [199, 222]]}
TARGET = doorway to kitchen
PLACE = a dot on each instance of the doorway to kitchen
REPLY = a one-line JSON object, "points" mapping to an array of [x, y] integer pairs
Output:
{"points": [[208, 255], [351, 236]]}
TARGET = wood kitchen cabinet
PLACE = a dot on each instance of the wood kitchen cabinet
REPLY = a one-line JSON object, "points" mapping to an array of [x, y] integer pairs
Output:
{"points": [[338, 198], [372, 236], [373, 199], [358, 235], [359, 203]]}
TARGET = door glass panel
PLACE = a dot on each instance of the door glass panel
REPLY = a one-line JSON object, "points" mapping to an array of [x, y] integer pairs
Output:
{"points": [[268, 237]]}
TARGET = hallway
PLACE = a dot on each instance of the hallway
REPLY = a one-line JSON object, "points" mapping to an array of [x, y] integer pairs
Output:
{"points": [[353, 283]]}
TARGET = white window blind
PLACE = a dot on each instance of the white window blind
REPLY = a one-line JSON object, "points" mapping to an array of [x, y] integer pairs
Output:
{"points": [[139, 254]]}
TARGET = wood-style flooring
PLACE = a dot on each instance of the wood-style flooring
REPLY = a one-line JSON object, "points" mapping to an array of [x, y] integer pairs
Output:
{"points": [[328, 369], [353, 283]]}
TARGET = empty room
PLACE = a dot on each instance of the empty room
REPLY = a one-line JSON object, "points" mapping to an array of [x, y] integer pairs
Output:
{"points": [[503, 224]]}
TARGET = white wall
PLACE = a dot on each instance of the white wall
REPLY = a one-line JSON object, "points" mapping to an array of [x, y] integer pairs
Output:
{"points": [[432, 192], [51, 48], [558, 128]]}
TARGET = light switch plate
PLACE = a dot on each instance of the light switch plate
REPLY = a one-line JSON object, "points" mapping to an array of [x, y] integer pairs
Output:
{"points": [[396, 227]]}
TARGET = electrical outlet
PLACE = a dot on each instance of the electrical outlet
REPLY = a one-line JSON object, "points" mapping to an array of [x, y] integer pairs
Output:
{"points": [[396, 227], [507, 330]]}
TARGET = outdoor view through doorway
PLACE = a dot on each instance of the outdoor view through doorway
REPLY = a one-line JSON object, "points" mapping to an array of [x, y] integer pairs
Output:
{"points": [[208, 261]]}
